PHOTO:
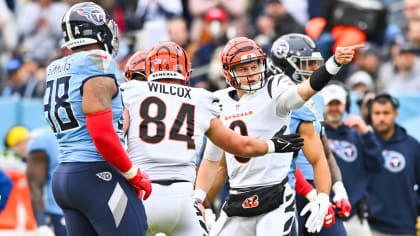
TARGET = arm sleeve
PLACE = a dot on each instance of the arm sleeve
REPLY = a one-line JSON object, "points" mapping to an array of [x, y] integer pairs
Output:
{"points": [[212, 152], [289, 100], [107, 141], [302, 186], [372, 154]]}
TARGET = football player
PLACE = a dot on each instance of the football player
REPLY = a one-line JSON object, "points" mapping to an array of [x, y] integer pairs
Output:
{"points": [[167, 122], [42, 161], [135, 68], [254, 106], [95, 183], [297, 56]]}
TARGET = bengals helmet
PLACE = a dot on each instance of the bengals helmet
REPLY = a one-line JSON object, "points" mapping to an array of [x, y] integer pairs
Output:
{"points": [[87, 23], [241, 50], [293, 54], [135, 68], [168, 61]]}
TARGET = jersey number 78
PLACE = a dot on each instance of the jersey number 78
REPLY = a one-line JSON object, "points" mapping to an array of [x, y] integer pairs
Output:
{"points": [[57, 108]]}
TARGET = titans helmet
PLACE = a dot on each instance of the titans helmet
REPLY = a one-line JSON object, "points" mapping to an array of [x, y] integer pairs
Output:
{"points": [[87, 23], [294, 54]]}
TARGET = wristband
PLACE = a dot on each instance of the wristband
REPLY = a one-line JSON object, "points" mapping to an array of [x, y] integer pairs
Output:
{"points": [[311, 196], [331, 66], [131, 172], [200, 195], [271, 147]]}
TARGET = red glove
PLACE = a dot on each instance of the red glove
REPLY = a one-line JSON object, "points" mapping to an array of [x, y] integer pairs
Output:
{"points": [[141, 182], [345, 206], [330, 216]]}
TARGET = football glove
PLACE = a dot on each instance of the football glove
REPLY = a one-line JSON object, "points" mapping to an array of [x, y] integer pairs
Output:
{"points": [[285, 142], [341, 200], [140, 182], [330, 217], [318, 210]]}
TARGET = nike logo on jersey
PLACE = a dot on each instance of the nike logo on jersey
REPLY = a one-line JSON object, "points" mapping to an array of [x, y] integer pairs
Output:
{"points": [[182, 92]]}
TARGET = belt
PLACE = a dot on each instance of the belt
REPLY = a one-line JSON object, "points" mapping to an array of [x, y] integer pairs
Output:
{"points": [[167, 182], [283, 182]]}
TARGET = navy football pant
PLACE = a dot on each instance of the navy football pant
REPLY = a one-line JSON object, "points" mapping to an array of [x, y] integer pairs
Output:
{"points": [[97, 200]]}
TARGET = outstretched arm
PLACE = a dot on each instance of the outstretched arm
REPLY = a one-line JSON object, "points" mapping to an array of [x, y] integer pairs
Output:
{"points": [[294, 98], [320, 77]]}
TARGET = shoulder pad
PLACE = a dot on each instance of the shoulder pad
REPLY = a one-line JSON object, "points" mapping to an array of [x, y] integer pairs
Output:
{"points": [[100, 59]]}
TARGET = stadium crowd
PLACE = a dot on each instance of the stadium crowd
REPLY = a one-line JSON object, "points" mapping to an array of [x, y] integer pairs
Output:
{"points": [[375, 191]]}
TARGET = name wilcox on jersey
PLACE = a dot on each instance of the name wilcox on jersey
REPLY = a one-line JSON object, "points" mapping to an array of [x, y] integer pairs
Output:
{"points": [[182, 92]]}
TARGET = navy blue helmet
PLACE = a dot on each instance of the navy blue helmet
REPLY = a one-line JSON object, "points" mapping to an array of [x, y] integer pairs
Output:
{"points": [[293, 54], [87, 23]]}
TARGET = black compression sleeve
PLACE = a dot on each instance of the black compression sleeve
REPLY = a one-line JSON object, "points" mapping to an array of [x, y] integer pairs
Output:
{"points": [[320, 78]]}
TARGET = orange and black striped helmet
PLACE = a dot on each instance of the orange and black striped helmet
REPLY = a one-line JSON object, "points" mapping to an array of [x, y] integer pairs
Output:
{"points": [[168, 60], [242, 50], [135, 68]]}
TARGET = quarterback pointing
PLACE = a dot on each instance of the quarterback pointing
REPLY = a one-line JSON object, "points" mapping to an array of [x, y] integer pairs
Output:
{"points": [[254, 106]]}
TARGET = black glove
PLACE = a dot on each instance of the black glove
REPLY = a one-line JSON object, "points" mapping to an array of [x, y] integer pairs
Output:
{"points": [[286, 142]]}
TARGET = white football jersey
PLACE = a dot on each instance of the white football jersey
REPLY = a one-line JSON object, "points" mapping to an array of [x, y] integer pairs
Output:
{"points": [[167, 125], [255, 115]]}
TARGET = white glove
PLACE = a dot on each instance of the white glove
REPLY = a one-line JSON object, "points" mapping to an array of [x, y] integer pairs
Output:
{"points": [[210, 218], [341, 199], [339, 191], [311, 196], [44, 230], [318, 209]]}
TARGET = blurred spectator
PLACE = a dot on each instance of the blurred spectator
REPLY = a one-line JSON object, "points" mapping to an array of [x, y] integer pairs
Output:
{"points": [[412, 9], [284, 22], [8, 32], [151, 17], [42, 161], [14, 156], [346, 23], [298, 9], [364, 105], [38, 27], [235, 9], [22, 80], [392, 194], [213, 37], [403, 73], [357, 152], [360, 81], [368, 59], [178, 32], [413, 33], [266, 32], [5, 189]]}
